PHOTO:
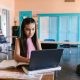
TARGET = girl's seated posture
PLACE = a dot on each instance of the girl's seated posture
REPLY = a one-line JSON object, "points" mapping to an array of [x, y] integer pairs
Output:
{"points": [[27, 42]]}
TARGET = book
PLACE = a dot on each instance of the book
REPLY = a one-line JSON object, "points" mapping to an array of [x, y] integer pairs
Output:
{"points": [[11, 64], [41, 71]]}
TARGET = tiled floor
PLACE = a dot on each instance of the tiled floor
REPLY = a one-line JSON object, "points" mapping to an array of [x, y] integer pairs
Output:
{"points": [[67, 73], [69, 62]]}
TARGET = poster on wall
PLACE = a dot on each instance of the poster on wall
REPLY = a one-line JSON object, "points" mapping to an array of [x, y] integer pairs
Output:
{"points": [[5, 26], [0, 22], [0, 18]]}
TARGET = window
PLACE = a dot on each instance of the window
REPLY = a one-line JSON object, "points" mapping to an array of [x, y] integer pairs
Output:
{"points": [[59, 27]]}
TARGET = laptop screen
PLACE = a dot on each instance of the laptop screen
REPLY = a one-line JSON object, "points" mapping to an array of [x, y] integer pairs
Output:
{"points": [[44, 59]]}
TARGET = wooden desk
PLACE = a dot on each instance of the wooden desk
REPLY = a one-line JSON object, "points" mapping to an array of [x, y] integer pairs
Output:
{"points": [[15, 74]]}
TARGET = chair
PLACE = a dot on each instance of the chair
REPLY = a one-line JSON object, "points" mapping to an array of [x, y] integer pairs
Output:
{"points": [[49, 45], [49, 40]]}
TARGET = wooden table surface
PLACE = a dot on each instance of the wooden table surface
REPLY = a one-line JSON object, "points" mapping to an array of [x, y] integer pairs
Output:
{"points": [[18, 74]]}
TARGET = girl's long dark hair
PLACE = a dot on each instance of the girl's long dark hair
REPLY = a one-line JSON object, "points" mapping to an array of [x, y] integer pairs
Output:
{"points": [[23, 44]]}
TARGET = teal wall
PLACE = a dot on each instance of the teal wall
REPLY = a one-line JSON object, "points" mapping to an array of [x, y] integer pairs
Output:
{"points": [[22, 15]]}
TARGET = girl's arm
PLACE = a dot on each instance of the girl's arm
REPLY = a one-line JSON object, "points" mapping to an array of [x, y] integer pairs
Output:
{"points": [[17, 55]]}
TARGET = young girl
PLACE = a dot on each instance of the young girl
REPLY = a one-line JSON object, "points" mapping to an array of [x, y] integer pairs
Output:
{"points": [[27, 42]]}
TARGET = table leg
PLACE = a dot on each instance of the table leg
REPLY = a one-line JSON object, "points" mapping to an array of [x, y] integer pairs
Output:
{"points": [[48, 77]]}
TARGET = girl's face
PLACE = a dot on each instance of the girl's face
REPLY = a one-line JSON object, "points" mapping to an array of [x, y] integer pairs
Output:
{"points": [[29, 30]]}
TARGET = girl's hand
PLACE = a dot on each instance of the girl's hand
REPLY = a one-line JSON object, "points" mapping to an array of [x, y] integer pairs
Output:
{"points": [[28, 60]]}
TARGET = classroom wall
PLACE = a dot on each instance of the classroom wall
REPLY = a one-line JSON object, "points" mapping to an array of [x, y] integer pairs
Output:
{"points": [[46, 6], [10, 5]]}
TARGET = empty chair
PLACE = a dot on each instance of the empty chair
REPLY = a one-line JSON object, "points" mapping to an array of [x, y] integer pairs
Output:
{"points": [[49, 45]]}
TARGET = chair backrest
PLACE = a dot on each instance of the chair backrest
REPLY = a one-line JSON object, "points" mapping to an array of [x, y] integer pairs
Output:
{"points": [[65, 45], [49, 45], [49, 40]]}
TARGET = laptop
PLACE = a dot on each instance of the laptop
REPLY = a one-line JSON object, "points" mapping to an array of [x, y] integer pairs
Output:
{"points": [[44, 59]]}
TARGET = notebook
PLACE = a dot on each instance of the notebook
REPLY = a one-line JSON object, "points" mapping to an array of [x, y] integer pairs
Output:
{"points": [[44, 59]]}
